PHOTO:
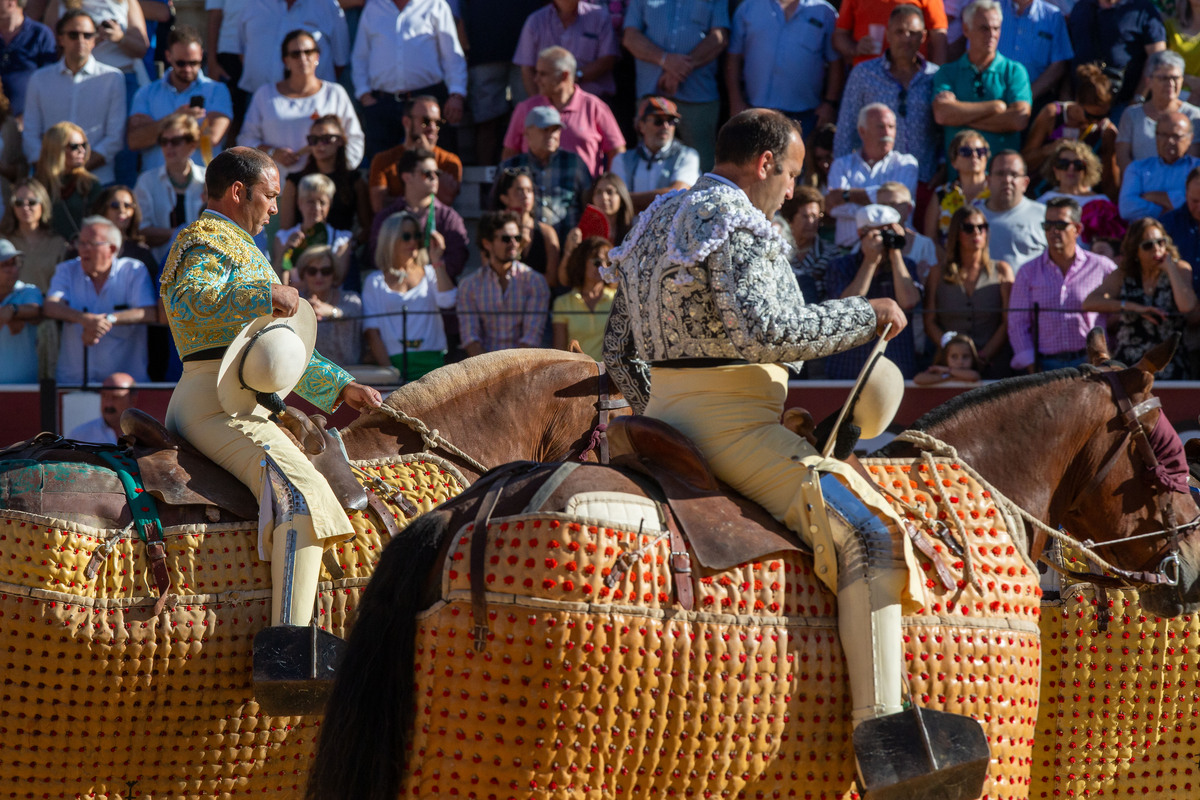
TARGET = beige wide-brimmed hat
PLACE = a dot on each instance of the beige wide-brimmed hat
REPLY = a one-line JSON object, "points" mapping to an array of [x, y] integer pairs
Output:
{"points": [[879, 399], [268, 357]]}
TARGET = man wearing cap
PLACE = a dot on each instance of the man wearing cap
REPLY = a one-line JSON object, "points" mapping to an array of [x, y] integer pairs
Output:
{"points": [[20, 310], [856, 177], [589, 129], [875, 268], [707, 312], [660, 163], [561, 178], [119, 392], [215, 282]]}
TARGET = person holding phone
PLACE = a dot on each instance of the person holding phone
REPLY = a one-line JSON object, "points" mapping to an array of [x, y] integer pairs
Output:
{"points": [[184, 89]]}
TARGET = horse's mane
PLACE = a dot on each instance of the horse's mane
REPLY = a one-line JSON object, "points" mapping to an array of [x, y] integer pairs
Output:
{"points": [[472, 374], [987, 394]]}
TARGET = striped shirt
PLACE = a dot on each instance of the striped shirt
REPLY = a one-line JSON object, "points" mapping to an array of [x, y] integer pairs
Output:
{"points": [[501, 318], [1062, 326]]}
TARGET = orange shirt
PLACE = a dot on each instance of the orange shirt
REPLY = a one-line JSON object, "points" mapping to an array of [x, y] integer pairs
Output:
{"points": [[857, 17], [384, 172]]}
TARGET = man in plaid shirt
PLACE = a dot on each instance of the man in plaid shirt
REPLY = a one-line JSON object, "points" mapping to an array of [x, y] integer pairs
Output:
{"points": [[1058, 281], [504, 303]]}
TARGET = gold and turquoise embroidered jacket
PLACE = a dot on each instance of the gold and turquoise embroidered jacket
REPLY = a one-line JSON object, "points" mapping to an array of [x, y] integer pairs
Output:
{"points": [[215, 281]]}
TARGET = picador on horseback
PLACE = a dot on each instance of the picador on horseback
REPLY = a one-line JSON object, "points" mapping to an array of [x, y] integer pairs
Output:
{"points": [[706, 314], [246, 341]]}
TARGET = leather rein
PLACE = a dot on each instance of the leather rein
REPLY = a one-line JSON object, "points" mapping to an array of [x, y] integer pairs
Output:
{"points": [[604, 405], [1167, 571]]}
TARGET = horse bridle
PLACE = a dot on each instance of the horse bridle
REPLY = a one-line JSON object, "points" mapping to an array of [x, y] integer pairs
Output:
{"points": [[604, 406], [1167, 572]]}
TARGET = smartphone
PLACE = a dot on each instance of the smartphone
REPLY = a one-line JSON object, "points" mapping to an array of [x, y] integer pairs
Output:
{"points": [[197, 101]]}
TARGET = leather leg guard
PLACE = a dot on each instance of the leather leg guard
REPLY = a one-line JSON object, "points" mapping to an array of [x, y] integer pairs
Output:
{"points": [[871, 577], [295, 571]]}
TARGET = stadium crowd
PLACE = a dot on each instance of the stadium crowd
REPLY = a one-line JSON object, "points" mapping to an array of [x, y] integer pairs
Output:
{"points": [[1011, 172]]}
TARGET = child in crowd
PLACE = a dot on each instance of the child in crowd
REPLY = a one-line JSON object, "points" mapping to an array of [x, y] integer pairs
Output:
{"points": [[315, 199], [956, 360]]}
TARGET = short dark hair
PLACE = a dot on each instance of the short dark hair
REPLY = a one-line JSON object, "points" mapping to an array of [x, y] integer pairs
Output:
{"points": [[581, 255], [410, 158], [74, 13], [1069, 203], [239, 164], [493, 221], [186, 35], [753, 132], [802, 196], [1193, 175], [1006, 154]]}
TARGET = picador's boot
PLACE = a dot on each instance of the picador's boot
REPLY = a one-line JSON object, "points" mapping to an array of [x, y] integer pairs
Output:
{"points": [[294, 661], [902, 754]]}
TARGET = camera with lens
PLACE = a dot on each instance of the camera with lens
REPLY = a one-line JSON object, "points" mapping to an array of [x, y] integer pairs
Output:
{"points": [[892, 240]]}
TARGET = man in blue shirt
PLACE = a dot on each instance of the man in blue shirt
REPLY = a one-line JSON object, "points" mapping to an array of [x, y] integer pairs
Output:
{"points": [[176, 92], [983, 89], [1034, 34], [660, 163], [772, 45], [1120, 34], [1152, 186], [25, 46], [676, 44], [1183, 226]]}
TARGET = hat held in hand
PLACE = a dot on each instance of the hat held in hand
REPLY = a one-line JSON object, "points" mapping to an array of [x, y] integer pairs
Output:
{"points": [[265, 361]]}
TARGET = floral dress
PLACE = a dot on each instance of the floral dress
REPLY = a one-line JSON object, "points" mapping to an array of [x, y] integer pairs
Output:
{"points": [[1136, 335]]}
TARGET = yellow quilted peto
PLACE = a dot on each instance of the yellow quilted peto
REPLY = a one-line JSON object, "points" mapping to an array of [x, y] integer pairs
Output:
{"points": [[586, 690]]}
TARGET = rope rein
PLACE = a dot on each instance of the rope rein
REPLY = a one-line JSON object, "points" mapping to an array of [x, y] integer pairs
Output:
{"points": [[431, 437], [931, 446]]}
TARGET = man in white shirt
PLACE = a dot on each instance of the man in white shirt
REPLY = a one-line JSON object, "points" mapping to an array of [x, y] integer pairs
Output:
{"points": [[78, 89], [118, 394], [105, 302], [855, 178], [265, 23], [405, 49]]}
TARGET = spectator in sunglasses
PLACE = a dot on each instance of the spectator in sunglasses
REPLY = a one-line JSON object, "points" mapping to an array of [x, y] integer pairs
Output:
{"points": [[1085, 119], [422, 124], [660, 163], [171, 195], [503, 304], [403, 299], [351, 208], [81, 89], [1072, 171], [1148, 298], [316, 198], [418, 169], [582, 313], [119, 205], [968, 292], [968, 158], [983, 89], [62, 168], [176, 92], [339, 312], [280, 114], [539, 243]]}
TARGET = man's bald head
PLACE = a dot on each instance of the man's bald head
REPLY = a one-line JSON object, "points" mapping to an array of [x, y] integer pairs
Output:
{"points": [[119, 380], [118, 393], [1173, 136]]}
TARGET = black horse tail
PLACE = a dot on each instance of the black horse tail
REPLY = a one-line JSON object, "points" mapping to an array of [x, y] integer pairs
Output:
{"points": [[369, 718]]}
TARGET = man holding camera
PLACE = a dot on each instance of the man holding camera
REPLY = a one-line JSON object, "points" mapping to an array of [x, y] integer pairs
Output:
{"points": [[855, 177], [875, 269]]}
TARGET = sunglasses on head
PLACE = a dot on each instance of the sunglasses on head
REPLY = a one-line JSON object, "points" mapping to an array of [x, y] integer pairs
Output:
{"points": [[318, 271], [30, 203], [176, 141], [1153, 244], [1056, 225], [975, 227], [967, 152], [77, 35], [315, 139], [1070, 163]]}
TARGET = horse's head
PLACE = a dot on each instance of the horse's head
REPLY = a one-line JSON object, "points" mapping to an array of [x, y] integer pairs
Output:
{"points": [[1136, 490]]}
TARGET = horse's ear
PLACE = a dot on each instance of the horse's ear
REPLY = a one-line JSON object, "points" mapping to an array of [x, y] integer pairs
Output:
{"points": [[574, 347], [1159, 355], [1097, 347]]}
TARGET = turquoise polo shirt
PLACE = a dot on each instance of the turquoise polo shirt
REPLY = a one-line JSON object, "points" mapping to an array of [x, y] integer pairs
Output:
{"points": [[1004, 79]]}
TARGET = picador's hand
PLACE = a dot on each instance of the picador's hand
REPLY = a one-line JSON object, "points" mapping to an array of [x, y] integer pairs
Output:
{"points": [[360, 398], [284, 300], [887, 310]]}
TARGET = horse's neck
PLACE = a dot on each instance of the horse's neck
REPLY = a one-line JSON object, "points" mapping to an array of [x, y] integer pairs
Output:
{"points": [[1023, 446]]}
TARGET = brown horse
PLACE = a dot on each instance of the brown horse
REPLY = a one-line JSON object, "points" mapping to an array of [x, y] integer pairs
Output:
{"points": [[1041, 440]]}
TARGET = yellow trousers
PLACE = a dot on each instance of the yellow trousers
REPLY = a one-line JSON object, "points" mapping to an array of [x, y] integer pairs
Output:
{"points": [[732, 414], [242, 445]]}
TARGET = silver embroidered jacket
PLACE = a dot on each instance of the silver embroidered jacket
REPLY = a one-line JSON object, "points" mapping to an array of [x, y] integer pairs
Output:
{"points": [[704, 274]]}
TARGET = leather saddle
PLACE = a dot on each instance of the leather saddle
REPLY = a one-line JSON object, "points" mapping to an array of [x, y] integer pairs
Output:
{"points": [[723, 528], [178, 474]]}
